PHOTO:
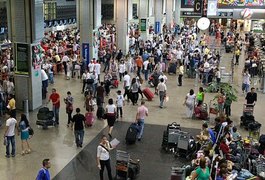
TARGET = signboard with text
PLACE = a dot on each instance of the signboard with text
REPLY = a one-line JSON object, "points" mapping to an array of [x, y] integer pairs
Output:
{"points": [[143, 24], [22, 58], [85, 52], [198, 6], [212, 8]]}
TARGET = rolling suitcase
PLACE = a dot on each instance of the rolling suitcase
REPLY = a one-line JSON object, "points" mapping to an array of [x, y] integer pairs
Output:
{"points": [[131, 134], [148, 94], [89, 119], [172, 69], [100, 112]]}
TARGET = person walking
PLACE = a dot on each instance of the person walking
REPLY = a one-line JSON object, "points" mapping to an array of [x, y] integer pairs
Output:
{"points": [[251, 97], [44, 173], [103, 157], [78, 121], [246, 81], [55, 98], [120, 103], [189, 103], [162, 89], [134, 89], [237, 54], [126, 84], [111, 115], [181, 72], [9, 135], [141, 114], [69, 100], [121, 69], [23, 130]]}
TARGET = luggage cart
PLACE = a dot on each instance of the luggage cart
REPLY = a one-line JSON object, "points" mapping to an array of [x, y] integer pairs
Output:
{"points": [[248, 108], [178, 173], [122, 164]]}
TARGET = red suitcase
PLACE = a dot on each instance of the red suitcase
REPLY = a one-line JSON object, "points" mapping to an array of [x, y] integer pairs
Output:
{"points": [[89, 119], [148, 94]]}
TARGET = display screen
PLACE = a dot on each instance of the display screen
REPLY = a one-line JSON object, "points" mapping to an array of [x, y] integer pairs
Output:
{"points": [[187, 3], [22, 58], [240, 3]]}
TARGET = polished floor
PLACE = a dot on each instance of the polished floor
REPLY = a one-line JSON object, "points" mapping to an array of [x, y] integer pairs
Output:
{"points": [[58, 144]]}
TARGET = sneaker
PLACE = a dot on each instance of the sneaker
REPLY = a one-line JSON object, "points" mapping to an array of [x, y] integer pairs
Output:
{"points": [[23, 153], [13, 155], [7, 156]]}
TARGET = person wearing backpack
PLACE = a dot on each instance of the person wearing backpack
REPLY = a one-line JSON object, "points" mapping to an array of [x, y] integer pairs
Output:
{"points": [[44, 173]]}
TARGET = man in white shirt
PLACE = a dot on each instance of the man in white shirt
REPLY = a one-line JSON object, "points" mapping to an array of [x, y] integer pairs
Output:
{"points": [[64, 61], [163, 76], [97, 68], [121, 69], [206, 70], [162, 89], [126, 84], [91, 66], [9, 135], [44, 79], [145, 64]]}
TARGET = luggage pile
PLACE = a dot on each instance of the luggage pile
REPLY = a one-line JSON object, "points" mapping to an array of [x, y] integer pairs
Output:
{"points": [[178, 142], [45, 118]]}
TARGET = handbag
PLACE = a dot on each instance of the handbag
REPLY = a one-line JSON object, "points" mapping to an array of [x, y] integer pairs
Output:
{"points": [[31, 131]]}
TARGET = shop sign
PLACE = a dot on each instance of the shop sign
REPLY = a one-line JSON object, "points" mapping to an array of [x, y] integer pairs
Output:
{"points": [[143, 24], [85, 52], [198, 6], [212, 8], [157, 27], [190, 13]]}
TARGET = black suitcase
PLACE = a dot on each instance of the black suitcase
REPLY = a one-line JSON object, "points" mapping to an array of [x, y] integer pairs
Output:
{"points": [[254, 126], [43, 110], [131, 134], [45, 116], [100, 112]]}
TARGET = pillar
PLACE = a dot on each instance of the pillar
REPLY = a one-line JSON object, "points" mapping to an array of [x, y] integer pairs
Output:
{"points": [[85, 22], [158, 13], [177, 11], [121, 14], [169, 12], [26, 28]]}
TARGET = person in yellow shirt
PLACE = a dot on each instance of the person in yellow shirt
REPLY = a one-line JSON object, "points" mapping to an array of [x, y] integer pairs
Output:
{"points": [[11, 106], [237, 54]]}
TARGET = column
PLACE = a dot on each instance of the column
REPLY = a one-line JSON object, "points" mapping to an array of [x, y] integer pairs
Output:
{"points": [[27, 28], [169, 12], [85, 23], [177, 11], [121, 19], [158, 13]]}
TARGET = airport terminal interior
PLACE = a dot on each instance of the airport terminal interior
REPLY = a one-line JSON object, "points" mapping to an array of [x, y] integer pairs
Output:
{"points": [[132, 89]]}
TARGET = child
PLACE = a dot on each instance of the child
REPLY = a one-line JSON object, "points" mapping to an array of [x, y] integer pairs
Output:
{"points": [[120, 103]]}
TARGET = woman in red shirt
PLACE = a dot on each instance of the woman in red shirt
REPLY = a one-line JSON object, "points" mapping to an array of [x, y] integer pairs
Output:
{"points": [[55, 98]]}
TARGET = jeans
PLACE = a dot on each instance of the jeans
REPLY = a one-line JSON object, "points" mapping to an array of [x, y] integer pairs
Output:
{"points": [[126, 92], [69, 117], [121, 76], [141, 124], [102, 165], [56, 114], [51, 78], [135, 97], [161, 97], [106, 66], [119, 111], [180, 79], [11, 139], [146, 74], [79, 136], [227, 110], [94, 88]]}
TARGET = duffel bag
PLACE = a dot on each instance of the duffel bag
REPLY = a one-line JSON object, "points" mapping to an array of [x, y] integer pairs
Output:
{"points": [[254, 126]]}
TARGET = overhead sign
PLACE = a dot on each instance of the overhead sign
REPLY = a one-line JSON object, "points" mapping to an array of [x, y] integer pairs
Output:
{"points": [[212, 8], [198, 6], [190, 13]]}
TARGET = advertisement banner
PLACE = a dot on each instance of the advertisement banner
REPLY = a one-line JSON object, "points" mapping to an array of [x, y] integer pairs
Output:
{"points": [[143, 24], [198, 6], [157, 27], [85, 52], [22, 58], [212, 8]]}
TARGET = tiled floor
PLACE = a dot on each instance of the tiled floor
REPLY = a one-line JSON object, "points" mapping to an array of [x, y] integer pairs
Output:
{"points": [[58, 143]]}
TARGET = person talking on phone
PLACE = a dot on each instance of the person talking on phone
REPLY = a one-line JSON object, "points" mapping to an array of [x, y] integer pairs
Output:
{"points": [[103, 157]]}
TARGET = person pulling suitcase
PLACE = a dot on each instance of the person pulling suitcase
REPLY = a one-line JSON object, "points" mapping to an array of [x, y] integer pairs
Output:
{"points": [[141, 114]]}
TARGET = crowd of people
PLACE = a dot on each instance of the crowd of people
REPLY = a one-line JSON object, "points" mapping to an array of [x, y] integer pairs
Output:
{"points": [[179, 50]]}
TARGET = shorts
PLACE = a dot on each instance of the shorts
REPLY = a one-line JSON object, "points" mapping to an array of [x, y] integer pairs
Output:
{"points": [[111, 119]]}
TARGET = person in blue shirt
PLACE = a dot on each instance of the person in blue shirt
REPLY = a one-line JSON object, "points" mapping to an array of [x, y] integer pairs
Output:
{"points": [[44, 173]]}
